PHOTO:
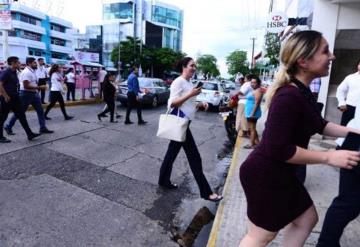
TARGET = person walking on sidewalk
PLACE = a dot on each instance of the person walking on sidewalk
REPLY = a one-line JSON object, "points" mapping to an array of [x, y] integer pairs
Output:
{"points": [[133, 96], [109, 91], [70, 84], [182, 98], [253, 110], [241, 121], [29, 95], [346, 206], [348, 95], [56, 91], [41, 74], [10, 100], [276, 199]]}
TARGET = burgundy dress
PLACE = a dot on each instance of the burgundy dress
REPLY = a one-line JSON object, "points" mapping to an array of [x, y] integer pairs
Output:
{"points": [[275, 197]]}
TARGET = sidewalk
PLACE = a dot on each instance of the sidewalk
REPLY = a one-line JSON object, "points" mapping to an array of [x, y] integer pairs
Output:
{"points": [[230, 223]]}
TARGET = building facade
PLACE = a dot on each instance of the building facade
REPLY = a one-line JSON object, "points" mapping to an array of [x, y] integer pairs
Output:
{"points": [[38, 35], [155, 23]]}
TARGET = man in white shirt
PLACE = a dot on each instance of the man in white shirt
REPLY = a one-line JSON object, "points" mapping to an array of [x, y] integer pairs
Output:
{"points": [[41, 74], [101, 76], [348, 95], [29, 95]]}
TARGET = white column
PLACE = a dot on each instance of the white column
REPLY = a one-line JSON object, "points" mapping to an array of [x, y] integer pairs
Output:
{"points": [[5, 44], [325, 20]]}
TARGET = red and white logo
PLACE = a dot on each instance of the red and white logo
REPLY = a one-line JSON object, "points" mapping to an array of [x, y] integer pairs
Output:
{"points": [[276, 18]]}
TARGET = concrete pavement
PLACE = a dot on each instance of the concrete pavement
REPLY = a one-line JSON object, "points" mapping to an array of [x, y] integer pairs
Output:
{"points": [[230, 223]]}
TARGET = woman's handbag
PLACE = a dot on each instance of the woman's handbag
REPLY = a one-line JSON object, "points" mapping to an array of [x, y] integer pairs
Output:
{"points": [[172, 127]]}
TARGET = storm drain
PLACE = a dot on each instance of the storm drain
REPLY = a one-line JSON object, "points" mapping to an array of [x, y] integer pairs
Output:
{"points": [[202, 218]]}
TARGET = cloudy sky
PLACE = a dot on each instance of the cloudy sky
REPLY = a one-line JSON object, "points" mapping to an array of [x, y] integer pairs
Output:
{"points": [[215, 27]]}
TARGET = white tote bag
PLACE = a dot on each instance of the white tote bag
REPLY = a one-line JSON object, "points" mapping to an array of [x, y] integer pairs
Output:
{"points": [[172, 127]]}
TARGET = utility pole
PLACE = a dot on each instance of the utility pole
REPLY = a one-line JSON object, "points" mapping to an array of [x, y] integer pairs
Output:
{"points": [[252, 53], [119, 61]]}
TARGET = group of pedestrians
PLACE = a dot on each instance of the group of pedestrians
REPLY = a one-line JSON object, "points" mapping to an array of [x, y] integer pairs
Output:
{"points": [[276, 198], [19, 90]]}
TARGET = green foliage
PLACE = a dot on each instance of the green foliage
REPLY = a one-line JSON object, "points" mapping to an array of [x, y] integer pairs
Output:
{"points": [[272, 46], [236, 62], [152, 60], [206, 64]]}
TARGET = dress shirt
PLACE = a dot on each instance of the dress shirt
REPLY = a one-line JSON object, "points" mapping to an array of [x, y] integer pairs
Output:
{"points": [[56, 82], [70, 77], [10, 81], [133, 84], [41, 72], [348, 92], [28, 74]]}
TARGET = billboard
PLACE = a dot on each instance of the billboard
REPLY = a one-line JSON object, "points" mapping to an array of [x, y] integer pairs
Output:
{"points": [[5, 17], [82, 56]]}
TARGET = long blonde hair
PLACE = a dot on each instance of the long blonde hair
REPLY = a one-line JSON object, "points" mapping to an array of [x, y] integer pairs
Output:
{"points": [[301, 45]]}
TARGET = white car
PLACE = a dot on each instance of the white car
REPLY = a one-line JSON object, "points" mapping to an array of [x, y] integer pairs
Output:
{"points": [[214, 93]]}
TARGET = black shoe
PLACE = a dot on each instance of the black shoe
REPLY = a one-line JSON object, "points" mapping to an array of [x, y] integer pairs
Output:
{"points": [[128, 122], [44, 103], [104, 115], [99, 116], [170, 186], [69, 117], [46, 131], [9, 131], [113, 121], [32, 136], [47, 118], [118, 116], [142, 122], [4, 140]]}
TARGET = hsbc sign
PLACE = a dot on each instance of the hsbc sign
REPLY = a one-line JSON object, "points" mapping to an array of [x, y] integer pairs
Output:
{"points": [[276, 22]]}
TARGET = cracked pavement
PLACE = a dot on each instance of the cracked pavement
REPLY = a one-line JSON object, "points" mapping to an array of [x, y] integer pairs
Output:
{"points": [[94, 183]]}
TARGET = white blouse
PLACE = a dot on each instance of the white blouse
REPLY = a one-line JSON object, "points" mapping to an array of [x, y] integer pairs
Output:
{"points": [[179, 87], [56, 82]]}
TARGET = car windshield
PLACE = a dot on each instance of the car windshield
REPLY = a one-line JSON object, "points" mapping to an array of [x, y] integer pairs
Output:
{"points": [[145, 83], [210, 86]]}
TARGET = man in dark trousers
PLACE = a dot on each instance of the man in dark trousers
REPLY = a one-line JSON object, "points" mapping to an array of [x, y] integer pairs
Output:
{"points": [[9, 99], [41, 74], [133, 96], [29, 95]]}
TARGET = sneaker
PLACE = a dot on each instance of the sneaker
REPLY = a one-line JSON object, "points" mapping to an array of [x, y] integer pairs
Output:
{"points": [[4, 140], [33, 135], [9, 131], [46, 131]]}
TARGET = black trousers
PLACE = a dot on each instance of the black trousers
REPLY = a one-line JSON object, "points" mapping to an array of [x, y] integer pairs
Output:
{"points": [[42, 81], [133, 103], [55, 96], [13, 105], [71, 90], [193, 156], [110, 108], [344, 208], [347, 115]]}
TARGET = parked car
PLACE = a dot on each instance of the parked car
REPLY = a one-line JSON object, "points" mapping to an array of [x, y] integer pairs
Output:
{"points": [[214, 93], [153, 91], [229, 85]]}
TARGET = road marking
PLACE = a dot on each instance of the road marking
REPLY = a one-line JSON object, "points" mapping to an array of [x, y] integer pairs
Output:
{"points": [[219, 213]]}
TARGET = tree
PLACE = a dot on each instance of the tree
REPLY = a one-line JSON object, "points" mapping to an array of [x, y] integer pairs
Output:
{"points": [[207, 65], [236, 62], [129, 52], [272, 46]]}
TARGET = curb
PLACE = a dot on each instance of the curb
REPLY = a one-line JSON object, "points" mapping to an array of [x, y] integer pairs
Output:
{"points": [[73, 103], [220, 211]]}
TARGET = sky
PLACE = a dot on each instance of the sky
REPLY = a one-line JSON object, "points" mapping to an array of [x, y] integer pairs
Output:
{"points": [[216, 27]]}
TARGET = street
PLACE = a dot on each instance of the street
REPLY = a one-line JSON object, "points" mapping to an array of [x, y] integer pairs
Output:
{"points": [[94, 183]]}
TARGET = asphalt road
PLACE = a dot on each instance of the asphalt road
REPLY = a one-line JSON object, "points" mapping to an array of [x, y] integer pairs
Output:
{"points": [[94, 183]]}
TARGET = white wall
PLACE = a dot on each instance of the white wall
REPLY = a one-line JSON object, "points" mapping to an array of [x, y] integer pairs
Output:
{"points": [[349, 16]]}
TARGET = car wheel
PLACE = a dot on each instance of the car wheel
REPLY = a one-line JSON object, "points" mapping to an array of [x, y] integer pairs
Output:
{"points": [[155, 102]]}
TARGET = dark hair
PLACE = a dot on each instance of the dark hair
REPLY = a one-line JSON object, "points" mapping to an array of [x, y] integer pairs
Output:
{"points": [[248, 77], [358, 62], [40, 59], [30, 60], [133, 68], [107, 77], [257, 79], [53, 69], [182, 63], [12, 60], [69, 70]]}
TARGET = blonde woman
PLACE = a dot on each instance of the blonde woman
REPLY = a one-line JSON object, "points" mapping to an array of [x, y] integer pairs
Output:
{"points": [[276, 198]]}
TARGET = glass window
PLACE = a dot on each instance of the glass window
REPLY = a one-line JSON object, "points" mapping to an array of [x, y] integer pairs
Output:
{"points": [[55, 41], [210, 86], [28, 35], [118, 11], [58, 28], [167, 16], [28, 19]]}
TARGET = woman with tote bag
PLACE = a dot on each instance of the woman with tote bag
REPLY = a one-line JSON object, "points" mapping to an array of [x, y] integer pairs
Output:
{"points": [[182, 97]]}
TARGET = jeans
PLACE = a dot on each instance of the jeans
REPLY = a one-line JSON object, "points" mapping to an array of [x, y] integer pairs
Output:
{"points": [[344, 208], [15, 105], [70, 91], [30, 98]]}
